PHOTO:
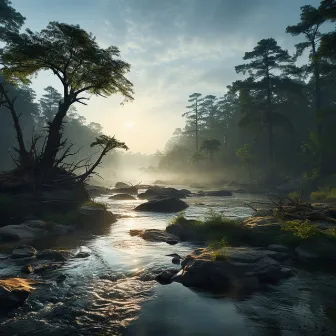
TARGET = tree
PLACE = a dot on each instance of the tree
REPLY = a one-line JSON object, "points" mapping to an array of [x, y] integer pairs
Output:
{"points": [[10, 19], [49, 103], [309, 26], [107, 144], [266, 59], [208, 108], [193, 115], [244, 154], [10, 23], [74, 56], [210, 146]]}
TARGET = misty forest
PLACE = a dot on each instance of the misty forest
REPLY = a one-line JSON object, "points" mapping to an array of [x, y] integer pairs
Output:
{"points": [[231, 226]]}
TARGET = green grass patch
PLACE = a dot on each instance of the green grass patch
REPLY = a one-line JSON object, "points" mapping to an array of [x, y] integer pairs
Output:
{"points": [[215, 227], [219, 250]]}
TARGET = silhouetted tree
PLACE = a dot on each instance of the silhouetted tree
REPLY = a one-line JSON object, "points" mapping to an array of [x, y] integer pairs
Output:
{"points": [[193, 115], [265, 60], [75, 58], [211, 146]]}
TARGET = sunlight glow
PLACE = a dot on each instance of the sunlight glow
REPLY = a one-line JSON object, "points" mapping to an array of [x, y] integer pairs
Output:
{"points": [[129, 125]]}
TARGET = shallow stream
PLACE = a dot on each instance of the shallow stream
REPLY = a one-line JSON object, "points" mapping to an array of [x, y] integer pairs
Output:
{"points": [[112, 291]]}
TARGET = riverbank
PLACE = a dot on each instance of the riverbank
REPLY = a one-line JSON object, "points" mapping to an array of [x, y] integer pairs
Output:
{"points": [[106, 291]]}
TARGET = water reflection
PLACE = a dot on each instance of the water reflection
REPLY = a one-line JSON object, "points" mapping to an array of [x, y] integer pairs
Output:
{"points": [[113, 292]]}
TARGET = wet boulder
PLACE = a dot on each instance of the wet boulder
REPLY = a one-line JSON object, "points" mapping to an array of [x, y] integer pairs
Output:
{"points": [[316, 250], [166, 277], [163, 205], [120, 185], [82, 255], [14, 292], [31, 230], [95, 215], [127, 190], [24, 251], [216, 276], [54, 255], [155, 235], [278, 248], [21, 232], [157, 192], [122, 197], [241, 270]]}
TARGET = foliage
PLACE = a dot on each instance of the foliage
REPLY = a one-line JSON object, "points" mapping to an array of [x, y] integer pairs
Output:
{"points": [[326, 194], [82, 67], [10, 19], [215, 227], [210, 146], [219, 250], [301, 229]]}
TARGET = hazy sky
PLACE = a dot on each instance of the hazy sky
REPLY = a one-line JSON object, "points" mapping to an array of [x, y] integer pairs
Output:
{"points": [[175, 48]]}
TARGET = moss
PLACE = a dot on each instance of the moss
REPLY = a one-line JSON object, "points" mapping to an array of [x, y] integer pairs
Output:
{"points": [[296, 232]]}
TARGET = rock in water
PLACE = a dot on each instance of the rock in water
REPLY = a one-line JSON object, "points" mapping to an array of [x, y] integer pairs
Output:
{"points": [[31, 230], [120, 185], [54, 255], [82, 255], [14, 292], [278, 248], [24, 251], [157, 192], [95, 215], [155, 235], [122, 197], [163, 205], [165, 277]]}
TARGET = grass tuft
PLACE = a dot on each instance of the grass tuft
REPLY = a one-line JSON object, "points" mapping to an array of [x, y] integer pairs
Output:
{"points": [[96, 204]]}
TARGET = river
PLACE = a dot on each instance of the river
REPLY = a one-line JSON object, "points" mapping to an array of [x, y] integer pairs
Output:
{"points": [[113, 292]]}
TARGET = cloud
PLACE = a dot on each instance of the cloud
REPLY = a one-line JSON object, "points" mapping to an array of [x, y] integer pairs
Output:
{"points": [[175, 47]]}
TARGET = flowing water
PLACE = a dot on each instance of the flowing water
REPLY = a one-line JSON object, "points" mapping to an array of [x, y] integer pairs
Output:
{"points": [[113, 292]]}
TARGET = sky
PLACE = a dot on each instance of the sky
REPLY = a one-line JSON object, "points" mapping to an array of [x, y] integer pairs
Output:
{"points": [[175, 48]]}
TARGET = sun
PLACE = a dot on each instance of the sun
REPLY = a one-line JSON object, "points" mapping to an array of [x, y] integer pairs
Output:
{"points": [[129, 125]]}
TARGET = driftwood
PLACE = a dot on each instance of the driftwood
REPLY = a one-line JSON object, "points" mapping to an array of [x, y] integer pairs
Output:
{"points": [[295, 208]]}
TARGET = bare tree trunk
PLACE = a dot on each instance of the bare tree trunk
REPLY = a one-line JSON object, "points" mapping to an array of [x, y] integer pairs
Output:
{"points": [[54, 136], [318, 105], [84, 176], [270, 126], [24, 160], [196, 114]]}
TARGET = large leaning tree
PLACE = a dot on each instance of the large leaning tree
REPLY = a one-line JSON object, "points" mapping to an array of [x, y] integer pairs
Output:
{"points": [[83, 68]]}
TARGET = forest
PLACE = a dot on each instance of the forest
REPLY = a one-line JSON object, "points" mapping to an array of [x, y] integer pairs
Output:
{"points": [[230, 227], [274, 124]]}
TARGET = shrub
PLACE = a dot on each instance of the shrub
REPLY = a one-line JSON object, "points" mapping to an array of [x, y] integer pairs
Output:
{"points": [[215, 227], [326, 194], [302, 229], [219, 249]]}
